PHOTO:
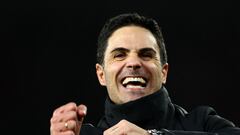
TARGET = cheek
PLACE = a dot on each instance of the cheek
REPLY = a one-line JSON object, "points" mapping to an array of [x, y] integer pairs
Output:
{"points": [[113, 68], [155, 70], [112, 71]]}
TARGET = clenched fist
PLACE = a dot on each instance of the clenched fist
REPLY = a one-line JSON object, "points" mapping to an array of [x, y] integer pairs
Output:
{"points": [[68, 119]]}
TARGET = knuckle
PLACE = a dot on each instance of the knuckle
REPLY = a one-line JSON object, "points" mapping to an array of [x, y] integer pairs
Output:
{"points": [[73, 113], [66, 107], [72, 105], [123, 122], [69, 116], [58, 110], [53, 120], [55, 112]]}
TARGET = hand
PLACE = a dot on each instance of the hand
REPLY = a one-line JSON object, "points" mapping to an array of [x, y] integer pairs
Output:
{"points": [[68, 119], [125, 128]]}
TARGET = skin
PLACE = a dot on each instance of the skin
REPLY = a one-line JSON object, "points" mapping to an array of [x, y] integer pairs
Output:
{"points": [[125, 128], [132, 51], [71, 114]]}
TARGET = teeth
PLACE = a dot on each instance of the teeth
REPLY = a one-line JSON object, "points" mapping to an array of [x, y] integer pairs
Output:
{"points": [[133, 86], [133, 79]]}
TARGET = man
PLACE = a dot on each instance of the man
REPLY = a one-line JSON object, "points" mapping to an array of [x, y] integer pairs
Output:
{"points": [[132, 64]]}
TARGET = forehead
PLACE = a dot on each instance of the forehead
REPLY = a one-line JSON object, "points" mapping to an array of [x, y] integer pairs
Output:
{"points": [[133, 38]]}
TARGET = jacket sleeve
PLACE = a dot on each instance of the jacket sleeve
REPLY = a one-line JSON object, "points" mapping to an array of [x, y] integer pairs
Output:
{"points": [[89, 129], [204, 121]]}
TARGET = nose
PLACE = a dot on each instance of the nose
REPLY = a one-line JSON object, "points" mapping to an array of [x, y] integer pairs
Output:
{"points": [[133, 62]]}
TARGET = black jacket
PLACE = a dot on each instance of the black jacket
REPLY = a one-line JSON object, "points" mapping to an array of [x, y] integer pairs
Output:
{"points": [[156, 111]]}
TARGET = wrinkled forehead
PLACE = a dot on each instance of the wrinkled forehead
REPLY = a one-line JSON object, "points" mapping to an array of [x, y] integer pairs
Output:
{"points": [[132, 38]]}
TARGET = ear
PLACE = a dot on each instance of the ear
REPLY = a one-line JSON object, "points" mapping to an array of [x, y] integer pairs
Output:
{"points": [[164, 73], [100, 74]]}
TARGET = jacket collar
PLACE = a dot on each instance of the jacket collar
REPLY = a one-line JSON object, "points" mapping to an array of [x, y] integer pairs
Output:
{"points": [[152, 111]]}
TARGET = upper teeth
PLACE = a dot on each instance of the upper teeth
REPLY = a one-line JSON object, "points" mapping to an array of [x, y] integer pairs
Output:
{"points": [[133, 79]]}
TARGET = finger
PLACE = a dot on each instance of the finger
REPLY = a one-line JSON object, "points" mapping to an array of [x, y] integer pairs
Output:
{"points": [[82, 110], [69, 132], [70, 125], [63, 117], [67, 107], [115, 131], [64, 126], [111, 130], [122, 127], [58, 127]]}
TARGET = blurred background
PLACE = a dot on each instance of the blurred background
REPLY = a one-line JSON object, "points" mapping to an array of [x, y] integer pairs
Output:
{"points": [[48, 51]]}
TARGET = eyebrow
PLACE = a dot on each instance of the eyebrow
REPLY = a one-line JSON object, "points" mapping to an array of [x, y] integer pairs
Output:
{"points": [[120, 49], [147, 50]]}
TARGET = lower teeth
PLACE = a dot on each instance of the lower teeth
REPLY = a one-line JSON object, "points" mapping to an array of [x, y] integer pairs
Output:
{"points": [[134, 86]]}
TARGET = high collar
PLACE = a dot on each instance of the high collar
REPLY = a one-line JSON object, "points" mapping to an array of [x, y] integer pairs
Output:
{"points": [[152, 111]]}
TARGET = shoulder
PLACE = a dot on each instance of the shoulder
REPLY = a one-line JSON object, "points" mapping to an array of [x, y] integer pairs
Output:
{"points": [[203, 118], [198, 111], [202, 112], [89, 129]]}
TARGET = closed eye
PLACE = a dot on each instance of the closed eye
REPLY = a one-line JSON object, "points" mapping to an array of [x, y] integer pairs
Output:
{"points": [[119, 53], [147, 54]]}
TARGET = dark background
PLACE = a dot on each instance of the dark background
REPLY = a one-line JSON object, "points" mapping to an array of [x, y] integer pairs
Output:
{"points": [[48, 53]]}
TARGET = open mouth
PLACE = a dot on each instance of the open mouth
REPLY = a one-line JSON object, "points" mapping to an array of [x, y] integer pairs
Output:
{"points": [[134, 82]]}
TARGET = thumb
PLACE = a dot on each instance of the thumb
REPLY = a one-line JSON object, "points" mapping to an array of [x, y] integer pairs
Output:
{"points": [[82, 112]]}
